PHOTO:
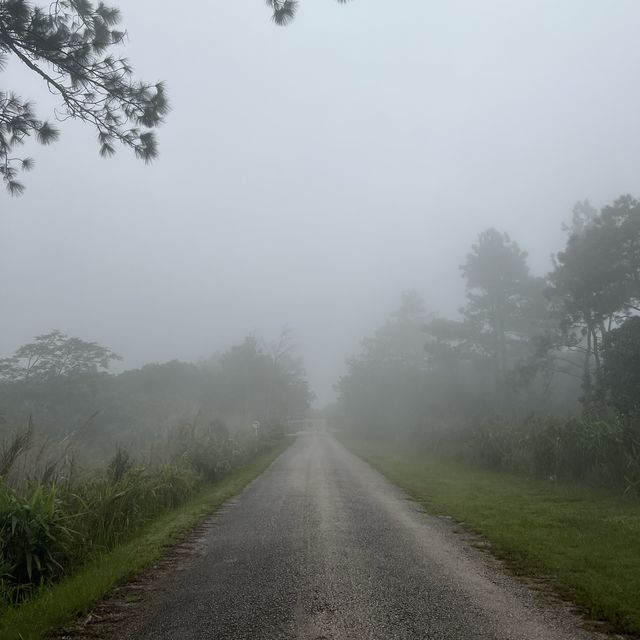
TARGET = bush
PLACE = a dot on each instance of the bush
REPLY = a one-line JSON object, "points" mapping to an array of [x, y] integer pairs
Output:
{"points": [[35, 538], [603, 453], [51, 523]]}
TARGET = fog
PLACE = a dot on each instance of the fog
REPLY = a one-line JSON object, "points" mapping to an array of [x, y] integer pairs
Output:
{"points": [[309, 174]]}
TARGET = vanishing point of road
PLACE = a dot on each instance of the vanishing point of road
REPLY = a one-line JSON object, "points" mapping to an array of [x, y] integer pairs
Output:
{"points": [[322, 547]]}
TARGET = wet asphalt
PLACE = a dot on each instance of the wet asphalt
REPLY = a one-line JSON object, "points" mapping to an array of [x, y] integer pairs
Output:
{"points": [[322, 547]]}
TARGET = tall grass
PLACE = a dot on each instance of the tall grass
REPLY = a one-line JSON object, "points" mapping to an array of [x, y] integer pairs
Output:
{"points": [[53, 516], [604, 453]]}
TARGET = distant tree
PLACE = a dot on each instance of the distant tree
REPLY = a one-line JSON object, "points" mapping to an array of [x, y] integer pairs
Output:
{"points": [[596, 285], [284, 11], [68, 43], [384, 387], [250, 383], [55, 355], [506, 308], [500, 294]]}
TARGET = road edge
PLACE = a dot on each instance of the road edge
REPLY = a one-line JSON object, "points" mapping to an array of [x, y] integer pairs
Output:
{"points": [[75, 596]]}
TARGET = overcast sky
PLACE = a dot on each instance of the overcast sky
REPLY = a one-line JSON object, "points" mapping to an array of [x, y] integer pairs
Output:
{"points": [[310, 174]]}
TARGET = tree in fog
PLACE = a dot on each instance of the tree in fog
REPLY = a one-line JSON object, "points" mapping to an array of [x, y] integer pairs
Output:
{"points": [[57, 382], [596, 285], [383, 389], [496, 275], [68, 44], [621, 370], [248, 383], [505, 308], [55, 355]]}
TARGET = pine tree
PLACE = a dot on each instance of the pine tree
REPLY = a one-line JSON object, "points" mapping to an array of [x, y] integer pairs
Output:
{"points": [[284, 11], [68, 44]]}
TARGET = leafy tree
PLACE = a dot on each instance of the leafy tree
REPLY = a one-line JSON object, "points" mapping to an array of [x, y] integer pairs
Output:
{"points": [[621, 369], [248, 383], [620, 224], [596, 285], [55, 355], [68, 44], [504, 302], [285, 10]]}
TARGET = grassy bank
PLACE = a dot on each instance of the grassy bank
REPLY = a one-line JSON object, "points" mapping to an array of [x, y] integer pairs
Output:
{"points": [[54, 606], [585, 543]]}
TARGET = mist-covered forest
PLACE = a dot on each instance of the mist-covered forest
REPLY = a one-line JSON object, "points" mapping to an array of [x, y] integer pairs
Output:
{"points": [[538, 374], [63, 386], [89, 457]]}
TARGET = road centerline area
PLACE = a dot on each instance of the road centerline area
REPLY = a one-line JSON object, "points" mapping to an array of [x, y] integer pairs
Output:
{"points": [[321, 546]]}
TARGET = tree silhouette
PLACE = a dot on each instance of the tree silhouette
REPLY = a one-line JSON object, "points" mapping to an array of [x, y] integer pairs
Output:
{"points": [[68, 45], [284, 11]]}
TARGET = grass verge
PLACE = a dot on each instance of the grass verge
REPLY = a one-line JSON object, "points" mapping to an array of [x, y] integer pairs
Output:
{"points": [[57, 605], [585, 543]]}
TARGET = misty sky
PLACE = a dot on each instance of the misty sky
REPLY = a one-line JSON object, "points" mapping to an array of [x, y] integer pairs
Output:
{"points": [[310, 174]]}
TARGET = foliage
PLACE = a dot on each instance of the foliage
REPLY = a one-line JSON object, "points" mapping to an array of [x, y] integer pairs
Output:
{"points": [[11, 450], [55, 355], [621, 370], [68, 44], [62, 384], [51, 523], [505, 309], [249, 383], [595, 285], [523, 344], [522, 347], [591, 451], [284, 11], [56, 605], [35, 537], [384, 384]]}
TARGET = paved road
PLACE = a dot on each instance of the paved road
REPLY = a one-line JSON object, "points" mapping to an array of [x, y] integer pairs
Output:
{"points": [[323, 547]]}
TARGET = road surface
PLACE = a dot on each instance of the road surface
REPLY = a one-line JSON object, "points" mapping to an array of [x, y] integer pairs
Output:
{"points": [[322, 547]]}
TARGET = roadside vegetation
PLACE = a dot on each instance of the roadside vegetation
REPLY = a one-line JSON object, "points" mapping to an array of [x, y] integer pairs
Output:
{"points": [[54, 605], [520, 417], [108, 469], [51, 523], [583, 543], [539, 375]]}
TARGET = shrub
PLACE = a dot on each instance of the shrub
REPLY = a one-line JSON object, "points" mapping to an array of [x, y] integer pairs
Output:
{"points": [[35, 538], [47, 528], [603, 453]]}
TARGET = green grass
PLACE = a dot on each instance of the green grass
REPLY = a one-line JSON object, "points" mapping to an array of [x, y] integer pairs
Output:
{"points": [[585, 543], [55, 606]]}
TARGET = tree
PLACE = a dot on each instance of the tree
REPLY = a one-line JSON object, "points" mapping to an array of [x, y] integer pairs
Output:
{"points": [[285, 10], [248, 384], [500, 294], [384, 388], [596, 285], [621, 369], [489, 348], [55, 355], [68, 45]]}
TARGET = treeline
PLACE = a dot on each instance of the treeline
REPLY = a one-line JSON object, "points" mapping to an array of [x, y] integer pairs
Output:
{"points": [[62, 386], [539, 373]]}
